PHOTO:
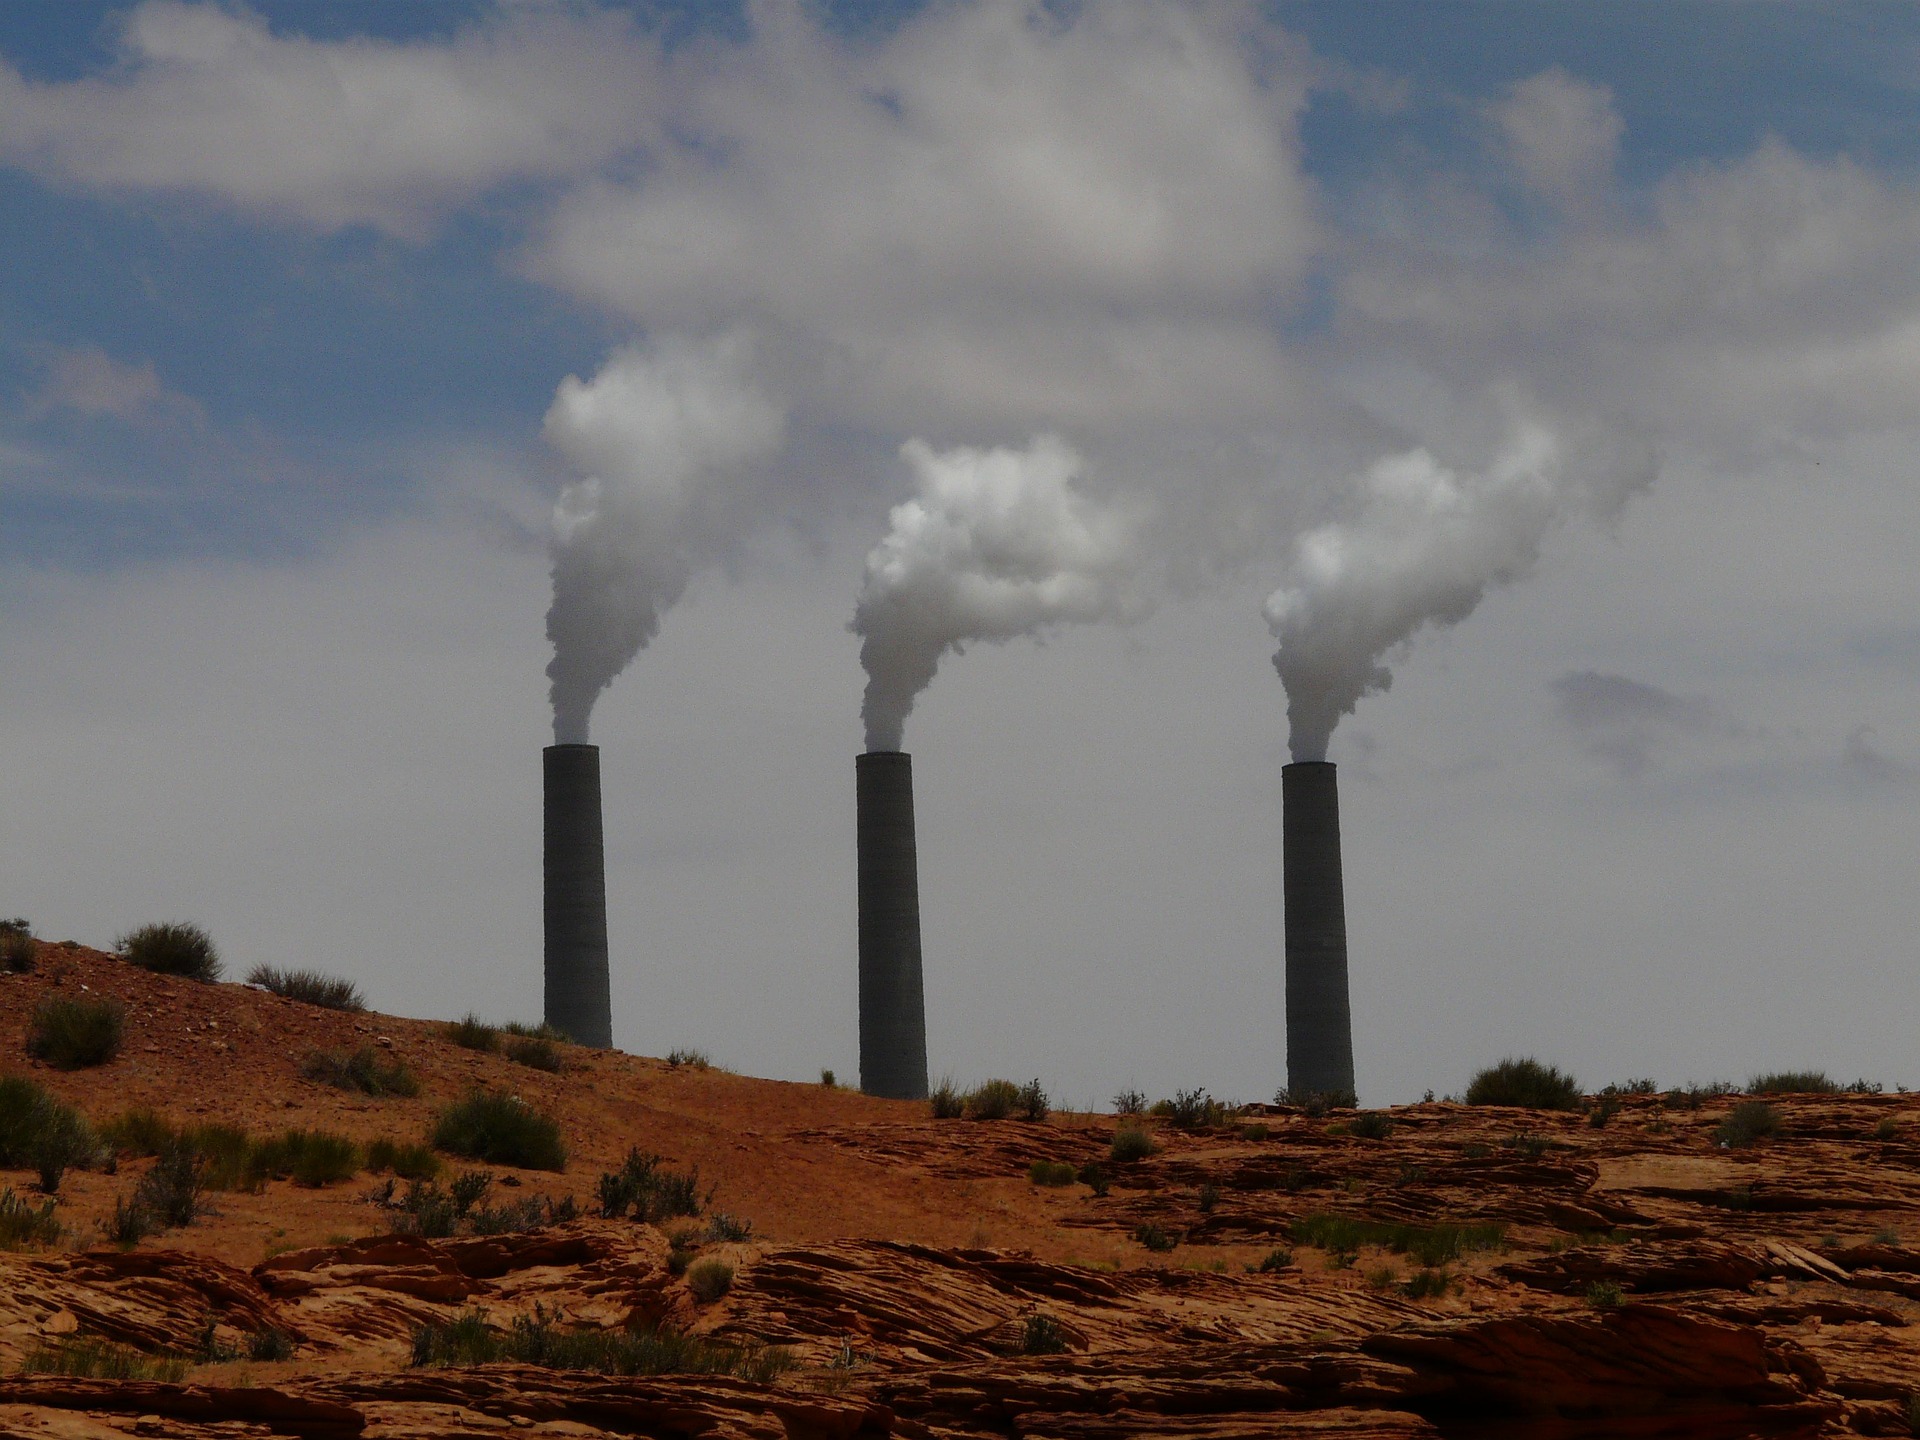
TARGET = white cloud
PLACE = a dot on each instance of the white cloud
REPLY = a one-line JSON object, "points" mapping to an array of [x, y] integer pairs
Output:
{"points": [[1562, 134], [211, 101], [90, 382]]}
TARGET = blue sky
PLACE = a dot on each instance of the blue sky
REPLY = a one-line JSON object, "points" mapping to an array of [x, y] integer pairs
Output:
{"points": [[1587, 334]]}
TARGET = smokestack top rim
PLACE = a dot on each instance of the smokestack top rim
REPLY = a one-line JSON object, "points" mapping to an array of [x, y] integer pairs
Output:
{"points": [[571, 745], [1309, 765], [884, 755]]}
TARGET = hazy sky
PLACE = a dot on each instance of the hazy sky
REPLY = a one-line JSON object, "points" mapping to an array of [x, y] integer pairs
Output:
{"points": [[311, 312]]}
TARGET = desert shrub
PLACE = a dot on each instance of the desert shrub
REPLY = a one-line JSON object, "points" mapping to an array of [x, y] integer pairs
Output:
{"points": [[1370, 1125], [1130, 1143], [1254, 1132], [309, 987], [230, 1158], [1691, 1097], [408, 1159], [536, 1052], [75, 1033], [1524, 1082], [22, 1224], [364, 1071], [312, 1158], [1042, 1335], [1603, 1295], [1154, 1238], [947, 1102], [1316, 1103], [535, 1340], [827, 1079], [1432, 1245], [1192, 1110], [642, 1189], [1793, 1082], [1093, 1177], [1886, 1129], [473, 1033], [1630, 1087], [91, 1358], [1033, 1101], [1050, 1172], [139, 1131], [1529, 1144], [993, 1100], [709, 1279], [501, 1130], [1427, 1284], [427, 1209], [170, 1195], [130, 1223], [16, 947], [1382, 1277], [271, 1344], [1274, 1260], [1747, 1122], [728, 1229], [1206, 1197], [41, 1133], [172, 948], [688, 1060], [1129, 1102], [1603, 1111]]}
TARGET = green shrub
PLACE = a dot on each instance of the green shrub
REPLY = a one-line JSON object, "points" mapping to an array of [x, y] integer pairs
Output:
{"points": [[1154, 1238], [1370, 1125], [709, 1279], [16, 947], [172, 948], [1747, 1122], [536, 1052], [640, 1187], [1603, 1111], [1528, 1144], [1886, 1129], [407, 1159], [688, 1060], [230, 1158], [1316, 1103], [1050, 1172], [1206, 1197], [1793, 1082], [130, 1223], [826, 1079], [1691, 1097], [309, 987], [311, 1158], [364, 1071], [1427, 1284], [1094, 1178], [140, 1131], [1274, 1260], [534, 1340], [1033, 1101], [473, 1033], [1526, 1083], [1129, 1102], [1193, 1110], [1254, 1133], [1630, 1087], [170, 1195], [501, 1130], [75, 1033], [1042, 1335], [1431, 1245], [91, 1358], [271, 1344], [1603, 1295], [728, 1229], [21, 1224], [993, 1100], [434, 1212], [1130, 1143], [947, 1101], [40, 1133]]}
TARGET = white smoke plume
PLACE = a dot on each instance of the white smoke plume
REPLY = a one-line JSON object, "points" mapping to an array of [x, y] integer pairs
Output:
{"points": [[666, 437], [996, 544], [1426, 545]]}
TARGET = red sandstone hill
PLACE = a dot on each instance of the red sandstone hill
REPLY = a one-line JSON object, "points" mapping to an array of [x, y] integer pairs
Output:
{"points": [[1637, 1278]]}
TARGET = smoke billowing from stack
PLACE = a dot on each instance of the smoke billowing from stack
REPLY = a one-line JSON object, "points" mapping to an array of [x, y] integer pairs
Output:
{"points": [[1319, 1021], [995, 544], [893, 1017], [578, 996]]}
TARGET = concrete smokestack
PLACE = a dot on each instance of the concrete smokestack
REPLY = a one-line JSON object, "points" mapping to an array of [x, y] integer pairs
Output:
{"points": [[577, 994], [893, 1017], [1319, 1023]]}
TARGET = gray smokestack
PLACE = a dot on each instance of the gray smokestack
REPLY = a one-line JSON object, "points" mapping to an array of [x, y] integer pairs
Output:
{"points": [[893, 1017], [577, 998], [1319, 1023]]}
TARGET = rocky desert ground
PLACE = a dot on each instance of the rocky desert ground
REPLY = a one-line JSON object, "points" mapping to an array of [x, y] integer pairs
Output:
{"points": [[858, 1267]]}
